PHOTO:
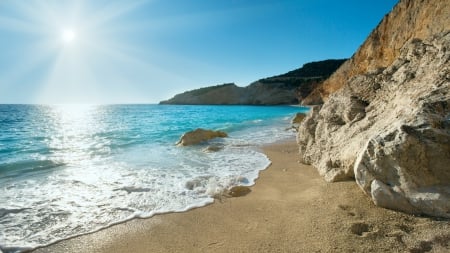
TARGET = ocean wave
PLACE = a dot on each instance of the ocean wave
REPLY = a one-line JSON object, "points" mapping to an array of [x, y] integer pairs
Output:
{"points": [[27, 167], [125, 166], [130, 189], [213, 185], [15, 249], [6, 211]]}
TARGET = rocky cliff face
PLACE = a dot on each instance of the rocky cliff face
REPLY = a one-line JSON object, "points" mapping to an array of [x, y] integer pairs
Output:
{"points": [[388, 126], [287, 88], [225, 94], [409, 19]]}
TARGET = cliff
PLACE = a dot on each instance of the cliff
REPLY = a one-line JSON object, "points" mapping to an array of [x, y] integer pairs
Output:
{"points": [[288, 88], [409, 19], [386, 118], [208, 95]]}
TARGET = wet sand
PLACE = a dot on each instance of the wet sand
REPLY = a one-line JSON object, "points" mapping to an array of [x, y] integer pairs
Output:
{"points": [[290, 209]]}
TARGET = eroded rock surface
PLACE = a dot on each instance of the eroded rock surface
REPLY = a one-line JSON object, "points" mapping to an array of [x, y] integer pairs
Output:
{"points": [[238, 191], [298, 118], [199, 135], [408, 19], [390, 130]]}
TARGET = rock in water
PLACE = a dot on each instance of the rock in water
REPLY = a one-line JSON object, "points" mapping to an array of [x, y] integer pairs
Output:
{"points": [[212, 148], [199, 135], [390, 130], [239, 191]]}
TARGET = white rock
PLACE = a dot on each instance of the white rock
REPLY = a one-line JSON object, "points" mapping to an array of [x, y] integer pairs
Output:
{"points": [[390, 130]]}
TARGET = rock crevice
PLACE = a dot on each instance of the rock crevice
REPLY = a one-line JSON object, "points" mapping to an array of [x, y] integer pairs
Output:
{"points": [[389, 130]]}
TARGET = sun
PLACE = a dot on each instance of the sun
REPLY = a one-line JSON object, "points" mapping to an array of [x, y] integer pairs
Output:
{"points": [[68, 36]]}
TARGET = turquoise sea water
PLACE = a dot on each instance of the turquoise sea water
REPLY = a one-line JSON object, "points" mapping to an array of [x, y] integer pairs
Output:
{"points": [[72, 169]]}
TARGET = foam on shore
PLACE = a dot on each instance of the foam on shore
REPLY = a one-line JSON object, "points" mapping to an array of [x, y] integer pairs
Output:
{"points": [[115, 180]]}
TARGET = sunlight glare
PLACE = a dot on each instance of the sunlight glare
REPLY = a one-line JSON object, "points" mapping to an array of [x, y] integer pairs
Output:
{"points": [[68, 35], [82, 48], [73, 141], [74, 111]]}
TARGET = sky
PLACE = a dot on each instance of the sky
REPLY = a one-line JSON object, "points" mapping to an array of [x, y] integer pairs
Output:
{"points": [[145, 51]]}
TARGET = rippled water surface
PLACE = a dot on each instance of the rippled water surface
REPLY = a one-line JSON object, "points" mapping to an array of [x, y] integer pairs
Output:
{"points": [[72, 169]]}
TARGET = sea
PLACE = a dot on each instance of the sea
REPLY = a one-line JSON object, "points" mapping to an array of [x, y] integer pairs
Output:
{"points": [[67, 170]]}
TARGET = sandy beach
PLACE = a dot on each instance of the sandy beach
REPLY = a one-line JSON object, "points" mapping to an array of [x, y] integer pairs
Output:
{"points": [[290, 209]]}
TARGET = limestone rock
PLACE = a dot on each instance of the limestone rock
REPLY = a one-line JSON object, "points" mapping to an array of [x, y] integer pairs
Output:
{"points": [[298, 118], [239, 191], [408, 19], [295, 122], [199, 135], [390, 130]]}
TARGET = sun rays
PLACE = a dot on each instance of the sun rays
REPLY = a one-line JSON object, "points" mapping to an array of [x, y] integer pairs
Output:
{"points": [[68, 36], [78, 48], [140, 51]]}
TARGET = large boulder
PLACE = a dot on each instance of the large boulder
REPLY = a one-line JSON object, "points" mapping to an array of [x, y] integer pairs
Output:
{"points": [[390, 130], [199, 135]]}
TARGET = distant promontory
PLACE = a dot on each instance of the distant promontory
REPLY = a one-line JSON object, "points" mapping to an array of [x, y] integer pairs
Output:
{"points": [[288, 88]]}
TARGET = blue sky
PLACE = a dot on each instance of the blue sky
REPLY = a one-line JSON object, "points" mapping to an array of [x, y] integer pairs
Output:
{"points": [[145, 51]]}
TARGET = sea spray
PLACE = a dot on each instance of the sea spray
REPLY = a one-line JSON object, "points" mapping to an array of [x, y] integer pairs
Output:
{"points": [[70, 170]]}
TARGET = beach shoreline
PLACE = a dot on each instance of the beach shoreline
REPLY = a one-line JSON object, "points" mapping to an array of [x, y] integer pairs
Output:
{"points": [[290, 209]]}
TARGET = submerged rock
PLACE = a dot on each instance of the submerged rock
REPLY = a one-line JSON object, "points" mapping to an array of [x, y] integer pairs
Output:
{"points": [[389, 129], [199, 135], [238, 191], [213, 148]]}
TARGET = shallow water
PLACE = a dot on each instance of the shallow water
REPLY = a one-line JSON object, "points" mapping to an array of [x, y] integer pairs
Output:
{"points": [[72, 169]]}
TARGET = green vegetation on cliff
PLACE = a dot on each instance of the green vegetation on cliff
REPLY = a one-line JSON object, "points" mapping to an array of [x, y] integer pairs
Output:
{"points": [[311, 70], [288, 88]]}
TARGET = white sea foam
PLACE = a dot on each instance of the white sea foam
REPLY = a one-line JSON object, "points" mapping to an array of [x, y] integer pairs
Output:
{"points": [[96, 182], [100, 196]]}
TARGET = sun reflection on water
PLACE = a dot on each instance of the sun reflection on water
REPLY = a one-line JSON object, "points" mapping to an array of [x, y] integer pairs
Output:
{"points": [[77, 136]]}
